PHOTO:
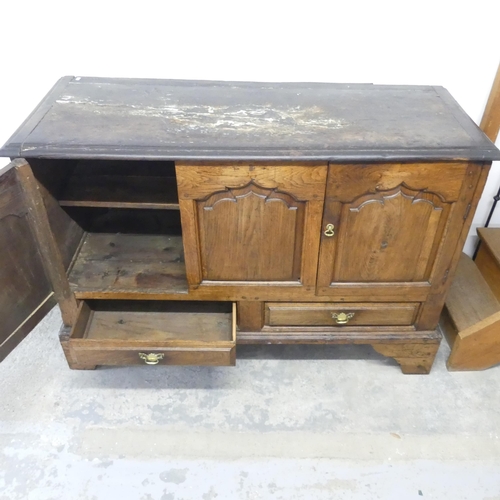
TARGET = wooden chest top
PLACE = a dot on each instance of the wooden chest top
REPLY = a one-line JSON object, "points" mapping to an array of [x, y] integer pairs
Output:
{"points": [[207, 120]]}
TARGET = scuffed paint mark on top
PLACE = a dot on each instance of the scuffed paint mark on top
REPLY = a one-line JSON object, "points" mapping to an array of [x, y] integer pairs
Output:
{"points": [[203, 118]]}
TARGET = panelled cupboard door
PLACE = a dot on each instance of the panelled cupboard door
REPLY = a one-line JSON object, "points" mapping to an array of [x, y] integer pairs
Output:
{"points": [[251, 223], [386, 224], [25, 293]]}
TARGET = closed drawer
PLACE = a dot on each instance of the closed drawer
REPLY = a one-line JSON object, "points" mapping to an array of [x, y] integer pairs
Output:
{"points": [[154, 333], [329, 314]]}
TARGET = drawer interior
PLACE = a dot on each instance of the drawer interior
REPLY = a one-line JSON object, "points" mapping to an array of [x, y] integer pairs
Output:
{"points": [[155, 321]]}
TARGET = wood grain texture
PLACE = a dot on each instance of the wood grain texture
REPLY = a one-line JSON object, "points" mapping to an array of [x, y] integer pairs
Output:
{"points": [[471, 320], [490, 123], [251, 234], [118, 191], [251, 223], [51, 254], [115, 333], [268, 291], [452, 244], [390, 230], [52, 175], [414, 359], [470, 299], [390, 236], [110, 264], [321, 314], [414, 351], [250, 315], [488, 257], [25, 292], [476, 348]]}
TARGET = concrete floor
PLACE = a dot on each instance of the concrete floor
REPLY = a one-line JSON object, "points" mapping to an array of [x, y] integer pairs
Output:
{"points": [[287, 423]]}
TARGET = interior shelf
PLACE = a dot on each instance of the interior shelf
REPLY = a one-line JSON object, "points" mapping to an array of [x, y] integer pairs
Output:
{"points": [[108, 263], [120, 184], [118, 191]]}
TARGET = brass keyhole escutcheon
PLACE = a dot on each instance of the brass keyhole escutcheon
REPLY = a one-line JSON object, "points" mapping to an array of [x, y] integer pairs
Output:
{"points": [[342, 318], [329, 230], [151, 358]]}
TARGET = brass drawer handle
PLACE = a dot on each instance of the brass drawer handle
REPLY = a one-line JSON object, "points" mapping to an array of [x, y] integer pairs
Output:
{"points": [[151, 358], [342, 318], [330, 230]]}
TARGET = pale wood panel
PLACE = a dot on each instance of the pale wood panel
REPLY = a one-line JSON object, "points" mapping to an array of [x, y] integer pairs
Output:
{"points": [[470, 299], [488, 257], [471, 320], [490, 123]]}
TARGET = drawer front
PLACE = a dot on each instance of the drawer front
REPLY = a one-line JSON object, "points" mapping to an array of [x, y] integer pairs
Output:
{"points": [[335, 314], [196, 355], [153, 333]]}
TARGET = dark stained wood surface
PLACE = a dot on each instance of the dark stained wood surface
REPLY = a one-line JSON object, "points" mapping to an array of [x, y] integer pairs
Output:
{"points": [[51, 175], [121, 184], [175, 119], [135, 263], [25, 292]]}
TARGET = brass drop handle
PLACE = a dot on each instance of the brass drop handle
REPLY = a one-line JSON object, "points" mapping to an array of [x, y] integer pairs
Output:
{"points": [[329, 230], [342, 318], [151, 358]]}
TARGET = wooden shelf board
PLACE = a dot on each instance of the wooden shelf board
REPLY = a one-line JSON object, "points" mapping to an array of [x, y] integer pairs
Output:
{"points": [[110, 263], [118, 191]]}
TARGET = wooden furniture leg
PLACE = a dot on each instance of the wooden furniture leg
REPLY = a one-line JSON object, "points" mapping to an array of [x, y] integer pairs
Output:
{"points": [[413, 358]]}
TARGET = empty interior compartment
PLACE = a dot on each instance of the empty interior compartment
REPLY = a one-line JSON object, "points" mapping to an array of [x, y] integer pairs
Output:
{"points": [[157, 321], [114, 183], [118, 247]]}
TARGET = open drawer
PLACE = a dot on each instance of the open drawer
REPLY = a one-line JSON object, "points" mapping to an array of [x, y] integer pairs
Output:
{"points": [[120, 332]]}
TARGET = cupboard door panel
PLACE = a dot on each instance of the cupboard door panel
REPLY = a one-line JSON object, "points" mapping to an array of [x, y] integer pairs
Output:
{"points": [[400, 232], [251, 223], [25, 292], [258, 231], [390, 231]]}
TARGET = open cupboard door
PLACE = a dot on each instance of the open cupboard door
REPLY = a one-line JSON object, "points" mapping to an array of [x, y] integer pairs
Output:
{"points": [[25, 291]]}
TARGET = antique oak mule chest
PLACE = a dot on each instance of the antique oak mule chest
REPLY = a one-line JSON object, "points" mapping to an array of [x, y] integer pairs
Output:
{"points": [[172, 220]]}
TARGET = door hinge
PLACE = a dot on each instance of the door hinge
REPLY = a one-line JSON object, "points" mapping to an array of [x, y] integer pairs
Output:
{"points": [[467, 210]]}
